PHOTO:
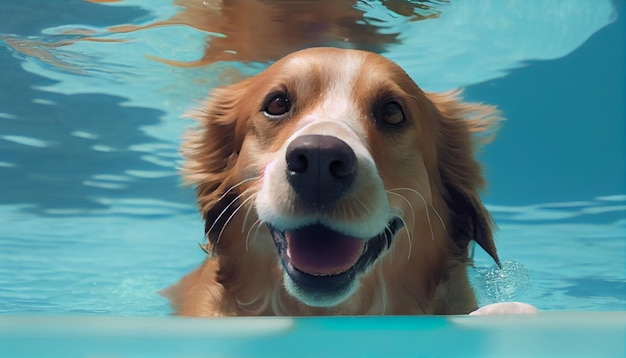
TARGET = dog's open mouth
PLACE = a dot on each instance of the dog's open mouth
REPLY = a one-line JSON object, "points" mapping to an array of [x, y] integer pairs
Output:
{"points": [[322, 261]]}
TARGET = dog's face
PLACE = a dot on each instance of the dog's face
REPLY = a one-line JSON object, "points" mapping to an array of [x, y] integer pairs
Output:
{"points": [[334, 170]]}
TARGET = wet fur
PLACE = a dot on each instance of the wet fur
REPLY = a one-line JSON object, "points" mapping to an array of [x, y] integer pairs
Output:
{"points": [[423, 272]]}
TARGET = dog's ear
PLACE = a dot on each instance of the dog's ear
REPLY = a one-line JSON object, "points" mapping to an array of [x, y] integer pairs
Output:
{"points": [[462, 127], [210, 152]]}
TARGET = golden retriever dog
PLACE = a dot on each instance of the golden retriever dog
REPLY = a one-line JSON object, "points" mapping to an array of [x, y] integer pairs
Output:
{"points": [[331, 184]]}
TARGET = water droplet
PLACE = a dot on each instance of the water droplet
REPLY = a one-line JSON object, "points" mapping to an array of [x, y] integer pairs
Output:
{"points": [[505, 284]]}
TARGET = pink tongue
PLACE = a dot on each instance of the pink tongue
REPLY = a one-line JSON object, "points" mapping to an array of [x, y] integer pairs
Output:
{"points": [[320, 251]]}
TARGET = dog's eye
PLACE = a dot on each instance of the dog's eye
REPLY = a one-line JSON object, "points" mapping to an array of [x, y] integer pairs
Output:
{"points": [[392, 114], [277, 105]]}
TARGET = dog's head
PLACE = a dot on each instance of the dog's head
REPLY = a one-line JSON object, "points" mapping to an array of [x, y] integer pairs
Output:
{"points": [[332, 166]]}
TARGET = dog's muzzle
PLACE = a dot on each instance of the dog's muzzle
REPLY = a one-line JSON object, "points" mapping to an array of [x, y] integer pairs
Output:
{"points": [[321, 260], [320, 169]]}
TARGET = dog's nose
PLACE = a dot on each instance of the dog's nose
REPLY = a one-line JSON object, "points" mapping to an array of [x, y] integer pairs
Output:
{"points": [[320, 168]]}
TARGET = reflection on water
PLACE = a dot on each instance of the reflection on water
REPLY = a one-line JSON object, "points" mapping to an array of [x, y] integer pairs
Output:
{"points": [[92, 215], [260, 31], [263, 31], [64, 152], [89, 116]]}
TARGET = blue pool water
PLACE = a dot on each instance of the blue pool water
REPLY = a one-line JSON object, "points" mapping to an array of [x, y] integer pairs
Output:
{"points": [[94, 221]]}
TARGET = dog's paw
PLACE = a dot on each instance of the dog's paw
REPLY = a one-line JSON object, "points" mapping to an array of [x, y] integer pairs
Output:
{"points": [[503, 308]]}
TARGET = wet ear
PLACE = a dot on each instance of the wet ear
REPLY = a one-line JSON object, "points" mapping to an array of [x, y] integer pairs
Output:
{"points": [[211, 151], [461, 127], [469, 221]]}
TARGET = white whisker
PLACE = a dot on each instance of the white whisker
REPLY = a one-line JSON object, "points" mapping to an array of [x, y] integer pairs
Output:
{"points": [[258, 227], [243, 225], [222, 213], [230, 217], [410, 206], [245, 218], [388, 230], [409, 236], [236, 185], [258, 223], [426, 204]]}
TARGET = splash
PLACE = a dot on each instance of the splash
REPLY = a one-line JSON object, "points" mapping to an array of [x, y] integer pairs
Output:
{"points": [[501, 284]]}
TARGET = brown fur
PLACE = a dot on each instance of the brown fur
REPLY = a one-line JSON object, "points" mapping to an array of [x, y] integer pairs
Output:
{"points": [[424, 270]]}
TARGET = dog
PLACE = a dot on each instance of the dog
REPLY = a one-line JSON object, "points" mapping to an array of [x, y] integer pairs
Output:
{"points": [[331, 184]]}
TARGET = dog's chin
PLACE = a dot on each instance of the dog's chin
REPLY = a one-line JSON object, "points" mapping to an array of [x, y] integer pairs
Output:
{"points": [[322, 266]]}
